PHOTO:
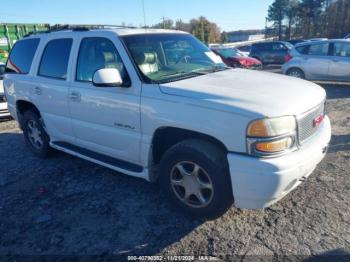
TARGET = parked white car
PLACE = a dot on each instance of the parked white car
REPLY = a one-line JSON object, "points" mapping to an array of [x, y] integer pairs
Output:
{"points": [[159, 105], [4, 113]]}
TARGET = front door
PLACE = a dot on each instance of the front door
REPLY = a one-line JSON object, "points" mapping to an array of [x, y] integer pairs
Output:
{"points": [[105, 120]]}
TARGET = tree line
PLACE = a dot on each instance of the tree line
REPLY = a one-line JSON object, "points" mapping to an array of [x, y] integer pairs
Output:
{"points": [[202, 28], [309, 18]]}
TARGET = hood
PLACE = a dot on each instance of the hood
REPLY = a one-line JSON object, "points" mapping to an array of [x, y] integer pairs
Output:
{"points": [[248, 92]]}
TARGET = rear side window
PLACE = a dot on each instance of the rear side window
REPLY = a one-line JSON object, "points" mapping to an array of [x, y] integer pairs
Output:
{"points": [[303, 49], [279, 47], [342, 49], [319, 49], [265, 47], [21, 56], [258, 47], [54, 61]]}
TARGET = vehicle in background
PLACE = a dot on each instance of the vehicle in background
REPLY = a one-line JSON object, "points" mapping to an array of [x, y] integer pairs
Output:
{"points": [[271, 52], [234, 58], [297, 41], [317, 39], [245, 49], [327, 60], [10, 33], [3, 103], [347, 36]]}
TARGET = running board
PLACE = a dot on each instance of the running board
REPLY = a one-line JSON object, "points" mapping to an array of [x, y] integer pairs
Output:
{"points": [[107, 161]]}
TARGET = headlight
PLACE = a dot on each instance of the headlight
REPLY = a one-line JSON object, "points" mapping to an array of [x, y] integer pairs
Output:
{"points": [[271, 136], [270, 127]]}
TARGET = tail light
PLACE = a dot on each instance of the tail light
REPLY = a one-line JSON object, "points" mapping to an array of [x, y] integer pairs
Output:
{"points": [[288, 57]]}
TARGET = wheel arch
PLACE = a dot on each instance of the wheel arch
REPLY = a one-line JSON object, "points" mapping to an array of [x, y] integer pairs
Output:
{"points": [[22, 106], [165, 137]]}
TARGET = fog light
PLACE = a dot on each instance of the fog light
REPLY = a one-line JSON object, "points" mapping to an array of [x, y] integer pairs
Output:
{"points": [[274, 146]]}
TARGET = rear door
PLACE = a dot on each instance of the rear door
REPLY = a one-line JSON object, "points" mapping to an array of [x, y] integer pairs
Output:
{"points": [[316, 62], [339, 67], [278, 53], [50, 85]]}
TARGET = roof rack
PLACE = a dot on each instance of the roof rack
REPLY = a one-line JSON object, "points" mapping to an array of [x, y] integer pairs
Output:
{"points": [[79, 27]]}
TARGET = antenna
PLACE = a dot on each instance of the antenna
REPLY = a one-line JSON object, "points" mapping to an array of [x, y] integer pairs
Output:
{"points": [[144, 14]]}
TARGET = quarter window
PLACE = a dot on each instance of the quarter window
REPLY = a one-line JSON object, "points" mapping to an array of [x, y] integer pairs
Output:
{"points": [[342, 49], [21, 56], [98, 53], [54, 61], [319, 49]]}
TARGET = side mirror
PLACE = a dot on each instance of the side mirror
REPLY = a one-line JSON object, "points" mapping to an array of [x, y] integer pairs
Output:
{"points": [[107, 77]]}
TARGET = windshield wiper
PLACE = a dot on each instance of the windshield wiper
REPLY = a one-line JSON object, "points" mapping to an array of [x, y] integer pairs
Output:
{"points": [[181, 75]]}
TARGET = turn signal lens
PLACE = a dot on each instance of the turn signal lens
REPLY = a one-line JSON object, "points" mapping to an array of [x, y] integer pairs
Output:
{"points": [[274, 146], [270, 127]]}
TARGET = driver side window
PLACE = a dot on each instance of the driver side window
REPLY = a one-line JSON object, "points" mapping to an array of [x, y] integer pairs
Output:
{"points": [[97, 53]]}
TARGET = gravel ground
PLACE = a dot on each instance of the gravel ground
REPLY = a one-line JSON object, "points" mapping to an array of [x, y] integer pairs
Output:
{"points": [[68, 206]]}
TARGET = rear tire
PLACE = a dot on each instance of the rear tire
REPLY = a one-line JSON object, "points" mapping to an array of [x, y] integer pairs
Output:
{"points": [[35, 135], [296, 72], [195, 176]]}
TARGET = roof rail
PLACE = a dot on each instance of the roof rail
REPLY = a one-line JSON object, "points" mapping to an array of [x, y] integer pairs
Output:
{"points": [[79, 27]]}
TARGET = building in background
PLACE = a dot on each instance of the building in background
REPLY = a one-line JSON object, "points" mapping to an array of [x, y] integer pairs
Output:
{"points": [[245, 35]]}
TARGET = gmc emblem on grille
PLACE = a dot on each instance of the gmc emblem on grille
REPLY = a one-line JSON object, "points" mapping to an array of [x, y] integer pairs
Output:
{"points": [[318, 120]]}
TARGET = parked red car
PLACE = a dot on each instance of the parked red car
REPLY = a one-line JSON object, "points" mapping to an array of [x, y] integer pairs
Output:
{"points": [[234, 58]]}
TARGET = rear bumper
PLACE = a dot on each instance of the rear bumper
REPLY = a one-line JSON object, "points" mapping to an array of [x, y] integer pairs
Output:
{"points": [[258, 183]]}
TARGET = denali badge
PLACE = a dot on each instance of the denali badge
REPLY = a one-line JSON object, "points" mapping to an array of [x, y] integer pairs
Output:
{"points": [[318, 120]]}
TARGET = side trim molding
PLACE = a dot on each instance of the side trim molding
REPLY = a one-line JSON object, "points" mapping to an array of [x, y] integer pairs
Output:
{"points": [[107, 161]]}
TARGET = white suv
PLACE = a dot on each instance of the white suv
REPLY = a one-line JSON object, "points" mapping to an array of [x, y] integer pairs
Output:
{"points": [[159, 105]]}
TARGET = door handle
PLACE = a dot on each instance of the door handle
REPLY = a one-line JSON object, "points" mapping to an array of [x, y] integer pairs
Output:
{"points": [[37, 90], [75, 96]]}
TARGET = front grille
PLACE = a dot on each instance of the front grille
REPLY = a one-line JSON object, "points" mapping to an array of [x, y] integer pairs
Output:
{"points": [[306, 126]]}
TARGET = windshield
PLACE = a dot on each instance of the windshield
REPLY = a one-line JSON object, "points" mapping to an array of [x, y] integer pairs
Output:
{"points": [[165, 58], [228, 52]]}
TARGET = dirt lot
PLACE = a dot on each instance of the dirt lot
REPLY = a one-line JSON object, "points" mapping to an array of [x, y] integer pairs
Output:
{"points": [[65, 205]]}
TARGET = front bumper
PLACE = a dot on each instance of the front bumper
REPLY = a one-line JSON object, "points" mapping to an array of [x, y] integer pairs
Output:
{"points": [[259, 182]]}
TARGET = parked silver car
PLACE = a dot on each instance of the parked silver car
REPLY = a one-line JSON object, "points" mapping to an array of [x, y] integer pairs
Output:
{"points": [[327, 60]]}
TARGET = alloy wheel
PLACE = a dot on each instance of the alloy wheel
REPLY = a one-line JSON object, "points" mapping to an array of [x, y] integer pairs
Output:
{"points": [[191, 184], [34, 134]]}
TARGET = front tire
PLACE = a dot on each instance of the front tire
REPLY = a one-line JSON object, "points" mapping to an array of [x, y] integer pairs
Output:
{"points": [[35, 135], [195, 176]]}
